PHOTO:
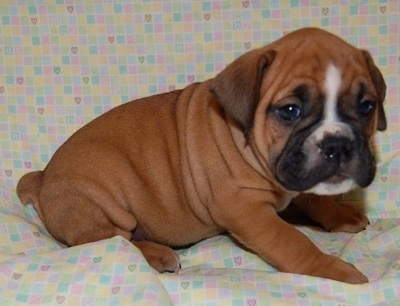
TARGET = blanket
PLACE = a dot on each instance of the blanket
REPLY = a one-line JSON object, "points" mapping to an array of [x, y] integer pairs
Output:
{"points": [[62, 64]]}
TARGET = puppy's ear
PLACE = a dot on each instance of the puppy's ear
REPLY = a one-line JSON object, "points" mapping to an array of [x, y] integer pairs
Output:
{"points": [[237, 87], [380, 87]]}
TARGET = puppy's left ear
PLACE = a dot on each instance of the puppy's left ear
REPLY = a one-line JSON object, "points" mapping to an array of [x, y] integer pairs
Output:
{"points": [[380, 87], [237, 87]]}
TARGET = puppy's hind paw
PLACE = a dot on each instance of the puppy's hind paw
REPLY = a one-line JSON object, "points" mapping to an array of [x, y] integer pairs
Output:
{"points": [[160, 257]]}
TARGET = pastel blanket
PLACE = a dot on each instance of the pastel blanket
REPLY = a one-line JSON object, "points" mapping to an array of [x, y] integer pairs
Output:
{"points": [[66, 62]]}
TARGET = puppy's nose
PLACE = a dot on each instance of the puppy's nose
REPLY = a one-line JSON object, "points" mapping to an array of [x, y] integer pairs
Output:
{"points": [[336, 149]]}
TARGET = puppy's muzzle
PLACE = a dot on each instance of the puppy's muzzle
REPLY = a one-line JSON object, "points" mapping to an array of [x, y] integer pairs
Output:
{"points": [[326, 162]]}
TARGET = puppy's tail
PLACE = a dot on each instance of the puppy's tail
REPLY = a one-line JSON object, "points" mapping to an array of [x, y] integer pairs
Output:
{"points": [[28, 190]]}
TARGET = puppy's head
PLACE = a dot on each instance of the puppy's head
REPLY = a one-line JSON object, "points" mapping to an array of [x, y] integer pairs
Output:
{"points": [[309, 105]]}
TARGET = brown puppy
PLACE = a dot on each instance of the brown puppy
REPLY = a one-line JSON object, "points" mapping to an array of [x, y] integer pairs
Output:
{"points": [[296, 116]]}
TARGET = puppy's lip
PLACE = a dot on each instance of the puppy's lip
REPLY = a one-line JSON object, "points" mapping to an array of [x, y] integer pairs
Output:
{"points": [[338, 178]]}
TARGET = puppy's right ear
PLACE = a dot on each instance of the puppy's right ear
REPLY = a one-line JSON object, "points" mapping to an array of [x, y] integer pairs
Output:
{"points": [[237, 87]]}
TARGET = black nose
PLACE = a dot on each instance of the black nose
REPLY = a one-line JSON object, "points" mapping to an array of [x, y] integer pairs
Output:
{"points": [[336, 149]]}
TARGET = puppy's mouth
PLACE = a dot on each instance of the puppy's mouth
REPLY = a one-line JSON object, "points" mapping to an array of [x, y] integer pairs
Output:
{"points": [[338, 179], [324, 179], [337, 184]]}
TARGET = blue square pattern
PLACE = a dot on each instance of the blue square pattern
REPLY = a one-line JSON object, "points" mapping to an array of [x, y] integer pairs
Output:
{"points": [[5, 20], [117, 8], [22, 298]]}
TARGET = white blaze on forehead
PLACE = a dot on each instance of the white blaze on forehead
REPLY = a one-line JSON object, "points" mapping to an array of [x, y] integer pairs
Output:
{"points": [[332, 86], [331, 122]]}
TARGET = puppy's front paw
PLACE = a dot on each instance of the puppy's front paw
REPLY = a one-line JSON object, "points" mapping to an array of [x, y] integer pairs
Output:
{"points": [[354, 276], [346, 218], [332, 267], [332, 216], [346, 272]]}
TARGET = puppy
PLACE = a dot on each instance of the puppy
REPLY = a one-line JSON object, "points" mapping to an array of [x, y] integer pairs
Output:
{"points": [[295, 117]]}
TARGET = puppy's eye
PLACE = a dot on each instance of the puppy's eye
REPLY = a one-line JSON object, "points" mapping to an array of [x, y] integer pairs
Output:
{"points": [[289, 112], [366, 107]]}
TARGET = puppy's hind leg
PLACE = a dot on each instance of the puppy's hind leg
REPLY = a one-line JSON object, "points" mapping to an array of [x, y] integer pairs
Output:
{"points": [[160, 257], [74, 219], [89, 223]]}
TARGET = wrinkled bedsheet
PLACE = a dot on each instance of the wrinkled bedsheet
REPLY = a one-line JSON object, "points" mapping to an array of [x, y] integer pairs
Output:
{"points": [[35, 269], [65, 63]]}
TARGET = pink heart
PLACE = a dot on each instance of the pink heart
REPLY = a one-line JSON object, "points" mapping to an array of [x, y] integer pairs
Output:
{"points": [[207, 17], [70, 9], [74, 49], [45, 268], [17, 275], [111, 39], [28, 165], [60, 299], [245, 4], [20, 80], [1, 89], [191, 78], [41, 110], [8, 172], [115, 290], [34, 20], [78, 100], [251, 302], [238, 260]]}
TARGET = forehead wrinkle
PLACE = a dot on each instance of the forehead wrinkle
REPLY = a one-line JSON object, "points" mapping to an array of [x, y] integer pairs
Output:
{"points": [[289, 69], [287, 85]]}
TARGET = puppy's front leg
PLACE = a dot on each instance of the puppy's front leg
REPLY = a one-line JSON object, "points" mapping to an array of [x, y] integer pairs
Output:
{"points": [[286, 248]]}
